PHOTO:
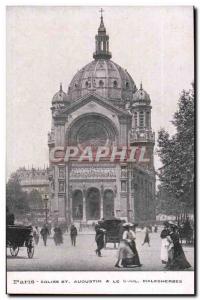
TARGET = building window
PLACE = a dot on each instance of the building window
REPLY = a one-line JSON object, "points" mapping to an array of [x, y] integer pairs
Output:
{"points": [[115, 83], [101, 83], [135, 119], [123, 171], [61, 186], [75, 85], [61, 172], [86, 84], [141, 119], [147, 119], [127, 84]]}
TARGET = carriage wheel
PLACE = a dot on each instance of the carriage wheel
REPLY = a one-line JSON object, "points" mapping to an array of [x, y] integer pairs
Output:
{"points": [[30, 252], [14, 250]]}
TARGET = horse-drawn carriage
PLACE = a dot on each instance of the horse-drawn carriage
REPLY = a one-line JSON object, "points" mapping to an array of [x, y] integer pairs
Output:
{"points": [[113, 229], [19, 236]]}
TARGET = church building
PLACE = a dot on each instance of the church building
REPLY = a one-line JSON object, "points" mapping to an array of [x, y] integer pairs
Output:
{"points": [[102, 111]]}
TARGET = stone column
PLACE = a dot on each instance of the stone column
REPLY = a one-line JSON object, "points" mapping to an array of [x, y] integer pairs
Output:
{"points": [[70, 203], [101, 201], [84, 204], [115, 199]]}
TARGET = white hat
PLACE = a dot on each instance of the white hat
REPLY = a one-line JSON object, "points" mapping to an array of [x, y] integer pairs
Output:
{"points": [[127, 224]]}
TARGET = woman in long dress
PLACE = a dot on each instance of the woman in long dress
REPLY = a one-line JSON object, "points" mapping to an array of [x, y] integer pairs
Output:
{"points": [[36, 235], [179, 261], [58, 237], [166, 246], [127, 254]]}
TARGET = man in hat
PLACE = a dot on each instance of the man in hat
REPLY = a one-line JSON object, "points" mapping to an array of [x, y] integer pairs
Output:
{"points": [[99, 238]]}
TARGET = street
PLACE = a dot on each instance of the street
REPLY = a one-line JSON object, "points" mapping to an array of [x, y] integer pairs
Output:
{"points": [[83, 256]]}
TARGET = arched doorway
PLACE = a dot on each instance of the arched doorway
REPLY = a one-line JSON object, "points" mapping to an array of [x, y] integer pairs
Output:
{"points": [[77, 205], [108, 204], [93, 204]]}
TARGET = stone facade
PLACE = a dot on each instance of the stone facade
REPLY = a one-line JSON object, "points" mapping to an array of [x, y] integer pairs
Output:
{"points": [[102, 107], [34, 179]]}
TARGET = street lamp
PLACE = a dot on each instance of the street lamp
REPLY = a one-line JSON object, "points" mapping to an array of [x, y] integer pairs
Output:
{"points": [[46, 199]]}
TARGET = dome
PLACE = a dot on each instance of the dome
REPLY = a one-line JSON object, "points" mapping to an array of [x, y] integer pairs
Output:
{"points": [[141, 97], [105, 78], [60, 96]]}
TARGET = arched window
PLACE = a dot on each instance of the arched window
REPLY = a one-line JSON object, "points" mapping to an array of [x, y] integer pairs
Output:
{"points": [[101, 83], [127, 84], [86, 84], [141, 119], [115, 83], [75, 85]]}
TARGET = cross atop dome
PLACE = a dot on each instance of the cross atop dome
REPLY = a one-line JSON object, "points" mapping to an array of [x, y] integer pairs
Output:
{"points": [[102, 41], [102, 27], [101, 11]]}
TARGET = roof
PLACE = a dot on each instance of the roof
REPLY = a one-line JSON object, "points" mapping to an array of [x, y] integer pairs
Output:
{"points": [[106, 78]]}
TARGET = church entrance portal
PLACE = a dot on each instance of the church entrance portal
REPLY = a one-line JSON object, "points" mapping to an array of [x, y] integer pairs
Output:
{"points": [[93, 204], [108, 204], [77, 205]]}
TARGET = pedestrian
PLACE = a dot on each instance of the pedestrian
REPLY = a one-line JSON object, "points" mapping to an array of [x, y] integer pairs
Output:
{"points": [[127, 254], [166, 245], [44, 233], [73, 234], [99, 238], [146, 237], [58, 236], [178, 261], [36, 235]]}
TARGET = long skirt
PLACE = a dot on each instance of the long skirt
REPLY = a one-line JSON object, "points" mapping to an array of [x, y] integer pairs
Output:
{"points": [[58, 239], [164, 251], [133, 259], [179, 261], [124, 251]]}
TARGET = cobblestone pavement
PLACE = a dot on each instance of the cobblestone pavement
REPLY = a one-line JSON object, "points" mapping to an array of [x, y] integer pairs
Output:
{"points": [[83, 256]]}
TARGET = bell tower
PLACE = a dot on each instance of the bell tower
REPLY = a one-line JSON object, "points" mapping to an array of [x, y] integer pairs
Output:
{"points": [[141, 132], [102, 42]]}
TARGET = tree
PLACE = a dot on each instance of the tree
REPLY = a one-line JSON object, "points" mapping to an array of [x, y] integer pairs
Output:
{"points": [[165, 203], [177, 154], [16, 199]]}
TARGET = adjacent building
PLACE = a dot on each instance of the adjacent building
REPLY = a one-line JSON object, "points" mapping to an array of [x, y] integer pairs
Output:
{"points": [[34, 179]]}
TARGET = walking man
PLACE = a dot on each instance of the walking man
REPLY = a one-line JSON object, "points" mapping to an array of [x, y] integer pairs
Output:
{"points": [[73, 234], [99, 238], [44, 233]]}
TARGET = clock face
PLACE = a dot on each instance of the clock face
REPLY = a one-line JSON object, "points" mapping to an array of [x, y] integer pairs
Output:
{"points": [[92, 134]]}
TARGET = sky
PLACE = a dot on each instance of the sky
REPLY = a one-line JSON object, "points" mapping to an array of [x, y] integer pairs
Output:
{"points": [[48, 45]]}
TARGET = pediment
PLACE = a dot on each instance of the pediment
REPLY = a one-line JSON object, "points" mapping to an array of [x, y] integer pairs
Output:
{"points": [[90, 100]]}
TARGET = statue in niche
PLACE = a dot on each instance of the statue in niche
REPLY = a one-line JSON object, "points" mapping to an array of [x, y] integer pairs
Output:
{"points": [[123, 186]]}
